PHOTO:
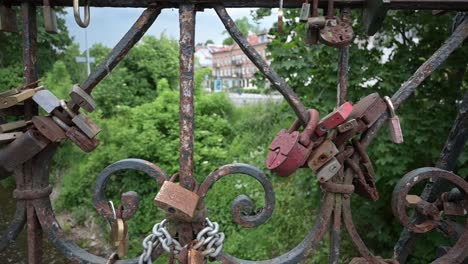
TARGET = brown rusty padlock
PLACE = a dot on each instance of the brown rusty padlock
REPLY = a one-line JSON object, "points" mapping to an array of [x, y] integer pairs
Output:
{"points": [[394, 123], [336, 33], [81, 140], [325, 152], [178, 202], [49, 128], [368, 110], [291, 149], [195, 257], [119, 233], [84, 123]]}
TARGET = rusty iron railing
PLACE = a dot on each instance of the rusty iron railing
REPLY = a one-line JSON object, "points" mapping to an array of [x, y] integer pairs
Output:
{"points": [[32, 191]]}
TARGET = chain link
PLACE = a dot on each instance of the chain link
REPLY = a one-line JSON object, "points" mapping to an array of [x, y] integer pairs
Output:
{"points": [[209, 241]]}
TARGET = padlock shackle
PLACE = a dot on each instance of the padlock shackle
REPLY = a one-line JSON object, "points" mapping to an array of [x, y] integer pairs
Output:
{"points": [[308, 132], [390, 106], [76, 11]]}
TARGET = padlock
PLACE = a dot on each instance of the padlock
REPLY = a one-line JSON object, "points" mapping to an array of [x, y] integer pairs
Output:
{"points": [[369, 109], [348, 125], [7, 19], [10, 92], [195, 257], [334, 119], [50, 18], [290, 149], [325, 152], [46, 100], [9, 137], [329, 170], [336, 33], [48, 128], [178, 202], [119, 234], [82, 98], [13, 126], [84, 123], [81, 140], [455, 209], [22, 149], [305, 11], [394, 123], [23, 95]]}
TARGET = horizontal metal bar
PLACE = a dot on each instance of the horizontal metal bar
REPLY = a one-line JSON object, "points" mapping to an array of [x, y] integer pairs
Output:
{"points": [[460, 5]]}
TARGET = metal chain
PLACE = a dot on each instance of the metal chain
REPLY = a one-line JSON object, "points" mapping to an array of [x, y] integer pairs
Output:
{"points": [[209, 240]]}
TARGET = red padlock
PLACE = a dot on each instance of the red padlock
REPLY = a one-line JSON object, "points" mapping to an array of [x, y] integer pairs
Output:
{"points": [[291, 149], [334, 119]]}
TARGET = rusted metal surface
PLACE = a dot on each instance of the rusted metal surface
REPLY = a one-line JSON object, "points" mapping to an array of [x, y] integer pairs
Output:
{"points": [[32, 170], [277, 82], [394, 4]]}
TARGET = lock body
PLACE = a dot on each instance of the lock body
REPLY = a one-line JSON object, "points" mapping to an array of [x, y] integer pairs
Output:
{"points": [[178, 202], [82, 141], [9, 137], [396, 133], [48, 128], [12, 126], [86, 125], [46, 100], [305, 12], [336, 33], [195, 257], [325, 152], [334, 119], [329, 170], [82, 98], [369, 109], [286, 153]]}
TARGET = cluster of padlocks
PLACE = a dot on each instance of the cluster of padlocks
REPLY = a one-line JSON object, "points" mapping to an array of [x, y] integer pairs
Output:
{"points": [[63, 121], [326, 145]]}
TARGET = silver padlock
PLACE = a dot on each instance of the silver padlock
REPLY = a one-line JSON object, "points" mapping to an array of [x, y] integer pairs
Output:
{"points": [[305, 11], [82, 98], [328, 170], [46, 100], [394, 123], [50, 18], [83, 122]]}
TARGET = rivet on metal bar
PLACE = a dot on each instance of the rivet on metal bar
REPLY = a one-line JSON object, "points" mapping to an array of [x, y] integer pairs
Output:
{"points": [[32, 194], [76, 11]]}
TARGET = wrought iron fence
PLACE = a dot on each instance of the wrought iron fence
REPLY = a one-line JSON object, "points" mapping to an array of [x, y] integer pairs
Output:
{"points": [[334, 147]]}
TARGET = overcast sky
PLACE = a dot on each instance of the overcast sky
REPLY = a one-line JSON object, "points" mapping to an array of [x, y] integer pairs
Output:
{"points": [[108, 25]]}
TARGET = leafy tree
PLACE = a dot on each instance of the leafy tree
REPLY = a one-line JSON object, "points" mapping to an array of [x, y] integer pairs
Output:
{"points": [[381, 65], [58, 80], [209, 42], [245, 26], [49, 48]]}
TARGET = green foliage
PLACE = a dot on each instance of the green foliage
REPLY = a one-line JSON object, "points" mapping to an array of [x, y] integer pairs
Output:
{"points": [[245, 26], [200, 78], [49, 47], [58, 80], [138, 132]]}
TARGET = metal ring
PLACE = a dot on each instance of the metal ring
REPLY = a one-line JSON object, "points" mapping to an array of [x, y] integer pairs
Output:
{"points": [[76, 11]]}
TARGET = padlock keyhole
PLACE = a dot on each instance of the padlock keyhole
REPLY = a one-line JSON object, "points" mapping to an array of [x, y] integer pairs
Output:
{"points": [[171, 210]]}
